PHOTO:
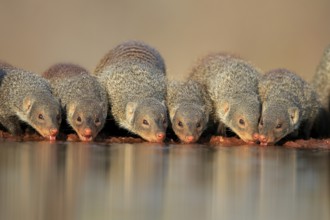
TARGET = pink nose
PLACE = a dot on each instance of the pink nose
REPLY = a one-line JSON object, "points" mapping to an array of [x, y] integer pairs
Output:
{"points": [[88, 132], [256, 136], [53, 132], [263, 138], [160, 136], [190, 138]]}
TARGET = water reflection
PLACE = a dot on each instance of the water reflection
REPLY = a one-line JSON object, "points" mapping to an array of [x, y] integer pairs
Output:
{"points": [[145, 181]]}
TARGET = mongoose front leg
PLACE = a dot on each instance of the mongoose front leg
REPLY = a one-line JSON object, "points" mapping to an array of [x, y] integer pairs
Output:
{"points": [[294, 134], [12, 124], [306, 130], [221, 130]]}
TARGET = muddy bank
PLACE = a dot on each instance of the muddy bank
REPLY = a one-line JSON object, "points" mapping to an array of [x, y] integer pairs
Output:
{"points": [[300, 143], [210, 140]]}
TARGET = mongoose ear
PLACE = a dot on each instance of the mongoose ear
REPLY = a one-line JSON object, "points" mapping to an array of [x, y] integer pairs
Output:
{"points": [[294, 115], [224, 108], [130, 109], [27, 103], [70, 109], [164, 103], [172, 112]]}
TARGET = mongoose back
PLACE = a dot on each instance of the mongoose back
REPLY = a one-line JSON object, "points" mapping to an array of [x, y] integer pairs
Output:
{"points": [[189, 109], [82, 98], [289, 106], [232, 85], [27, 97], [133, 75]]}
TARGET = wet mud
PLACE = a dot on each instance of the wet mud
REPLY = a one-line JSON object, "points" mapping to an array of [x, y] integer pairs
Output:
{"points": [[112, 134], [127, 138]]}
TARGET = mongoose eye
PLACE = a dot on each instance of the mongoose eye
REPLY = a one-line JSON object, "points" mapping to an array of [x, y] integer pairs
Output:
{"points": [[241, 122], [278, 126], [164, 121], [261, 123], [145, 122], [180, 124], [41, 116], [198, 125], [58, 117], [79, 119]]}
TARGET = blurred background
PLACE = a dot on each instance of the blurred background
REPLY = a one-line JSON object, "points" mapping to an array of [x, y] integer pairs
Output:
{"points": [[292, 34]]}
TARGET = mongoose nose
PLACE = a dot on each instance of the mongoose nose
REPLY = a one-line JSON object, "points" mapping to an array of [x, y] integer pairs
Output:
{"points": [[256, 136], [263, 138], [88, 132], [53, 132], [160, 136], [190, 138]]}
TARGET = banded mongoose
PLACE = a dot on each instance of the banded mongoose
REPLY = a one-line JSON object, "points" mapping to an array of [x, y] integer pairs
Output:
{"points": [[27, 97], [289, 106], [133, 74], [189, 108], [321, 84], [232, 85], [321, 80], [82, 98]]}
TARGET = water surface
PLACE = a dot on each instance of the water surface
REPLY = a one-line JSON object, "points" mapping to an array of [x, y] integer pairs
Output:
{"points": [[40, 180]]}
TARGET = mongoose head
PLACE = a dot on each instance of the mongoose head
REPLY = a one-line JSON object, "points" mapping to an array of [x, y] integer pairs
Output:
{"points": [[43, 113], [241, 115], [87, 118], [276, 122], [189, 122], [148, 119]]}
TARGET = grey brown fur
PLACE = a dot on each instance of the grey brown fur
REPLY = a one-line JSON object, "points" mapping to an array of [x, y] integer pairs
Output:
{"points": [[27, 97], [289, 106], [82, 98], [321, 80], [232, 85], [321, 84], [133, 75], [189, 108]]}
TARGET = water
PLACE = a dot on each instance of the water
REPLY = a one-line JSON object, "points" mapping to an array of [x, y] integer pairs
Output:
{"points": [[147, 181]]}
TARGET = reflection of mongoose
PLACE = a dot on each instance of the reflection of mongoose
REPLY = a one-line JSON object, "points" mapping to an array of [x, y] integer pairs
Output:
{"points": [[82, 98], [189, 109], [26, 96], [133, 74], [232, 85], [289, 106]]}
